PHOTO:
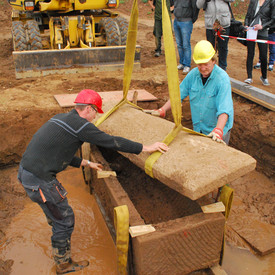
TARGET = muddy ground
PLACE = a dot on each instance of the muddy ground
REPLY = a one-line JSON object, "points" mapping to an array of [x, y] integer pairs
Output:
{"points": [[27, 103]]}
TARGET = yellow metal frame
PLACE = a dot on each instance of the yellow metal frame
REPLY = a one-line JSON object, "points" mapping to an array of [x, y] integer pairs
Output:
{"points": [[65, 5], [71, 30]]}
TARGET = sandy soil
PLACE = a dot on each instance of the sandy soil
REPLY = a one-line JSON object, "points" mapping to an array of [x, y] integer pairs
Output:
{"points": [[26, 104]]}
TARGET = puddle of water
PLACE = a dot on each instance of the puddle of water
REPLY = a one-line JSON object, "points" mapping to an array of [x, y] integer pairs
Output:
{"points": [[28, 236], [239, 261], [28, 239]]}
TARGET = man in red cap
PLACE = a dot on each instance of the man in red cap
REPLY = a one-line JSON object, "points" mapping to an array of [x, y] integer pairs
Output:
{"points": [[50, 151]]}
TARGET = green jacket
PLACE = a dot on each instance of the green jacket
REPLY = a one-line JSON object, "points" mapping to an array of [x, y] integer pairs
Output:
{"points": [[158, 8]]}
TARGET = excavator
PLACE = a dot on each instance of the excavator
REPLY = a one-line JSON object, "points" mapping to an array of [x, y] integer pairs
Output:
{"points": [[67, 36]]}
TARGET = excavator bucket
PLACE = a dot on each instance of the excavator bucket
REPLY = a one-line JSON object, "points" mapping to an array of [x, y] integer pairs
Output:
{"points": [[81, 60]]}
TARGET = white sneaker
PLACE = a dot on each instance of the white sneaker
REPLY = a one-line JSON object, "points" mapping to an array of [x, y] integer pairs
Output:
{"points": [[180, 67], [270, 68], [249, 81], [186, 70], [264, 81]]}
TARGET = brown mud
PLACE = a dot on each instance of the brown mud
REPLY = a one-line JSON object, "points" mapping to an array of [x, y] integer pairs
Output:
{"points": [[27, 103]]}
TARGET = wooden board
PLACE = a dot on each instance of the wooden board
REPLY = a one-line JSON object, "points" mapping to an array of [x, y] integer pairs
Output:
{"points": [[139, 230], [194, 166], [105, 174], [67, 100], [213, 208]]}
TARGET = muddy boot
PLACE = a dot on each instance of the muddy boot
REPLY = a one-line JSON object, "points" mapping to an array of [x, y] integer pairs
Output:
{"points": [[62, 257], [71, 266]]}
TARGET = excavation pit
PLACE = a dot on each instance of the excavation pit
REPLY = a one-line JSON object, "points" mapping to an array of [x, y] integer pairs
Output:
{"points": [[185, 239]]}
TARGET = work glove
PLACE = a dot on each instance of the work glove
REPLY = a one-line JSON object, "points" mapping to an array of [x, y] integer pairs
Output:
{"points": [[216, 135], [159, 112]]}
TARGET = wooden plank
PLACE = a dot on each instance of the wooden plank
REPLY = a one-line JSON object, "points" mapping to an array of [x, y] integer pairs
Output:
{"points": [[194, 165], [217, 270], [254, 99], [105, 174], [139, 230], [213, 208], [67, 100]]}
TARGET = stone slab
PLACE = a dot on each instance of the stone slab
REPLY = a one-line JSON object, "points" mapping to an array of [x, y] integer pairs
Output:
{"points": [[67, 100], [178, 246], [194, 165], [255, 94], [259, 235]]}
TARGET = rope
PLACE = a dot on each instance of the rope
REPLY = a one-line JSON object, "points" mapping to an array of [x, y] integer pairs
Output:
{"points": [[253, 40]]}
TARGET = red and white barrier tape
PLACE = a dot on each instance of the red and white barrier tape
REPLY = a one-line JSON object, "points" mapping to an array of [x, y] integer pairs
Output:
{"points": [[253, 40]]}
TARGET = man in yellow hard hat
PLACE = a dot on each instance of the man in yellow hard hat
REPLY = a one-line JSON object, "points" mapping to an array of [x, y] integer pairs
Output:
{"points": [[51, 150], [209, 90]]}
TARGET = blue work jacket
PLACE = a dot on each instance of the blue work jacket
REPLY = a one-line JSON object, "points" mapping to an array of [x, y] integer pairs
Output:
{"points": [[208, 101]]}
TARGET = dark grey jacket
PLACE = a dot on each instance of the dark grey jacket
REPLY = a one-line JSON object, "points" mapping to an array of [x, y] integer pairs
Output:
{"points": [[185, 10], [54, 145]]}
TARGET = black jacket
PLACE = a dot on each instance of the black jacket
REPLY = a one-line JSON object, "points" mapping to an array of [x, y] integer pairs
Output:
{"points": [[266, 13]]}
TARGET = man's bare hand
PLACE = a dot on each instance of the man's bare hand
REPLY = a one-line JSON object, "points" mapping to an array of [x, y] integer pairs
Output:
{"points": [[92, 165], [96, 166], [158, 146]]}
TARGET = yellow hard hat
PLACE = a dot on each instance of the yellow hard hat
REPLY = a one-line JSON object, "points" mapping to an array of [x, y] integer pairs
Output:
{"points": [[203, 52]]}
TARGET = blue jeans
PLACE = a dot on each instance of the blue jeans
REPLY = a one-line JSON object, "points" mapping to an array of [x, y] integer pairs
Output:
{"points": [[271, 37], [183, 32]]}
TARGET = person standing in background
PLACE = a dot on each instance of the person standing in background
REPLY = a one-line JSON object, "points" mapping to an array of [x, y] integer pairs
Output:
{"points": [[217, 10], [186, 14], [260, 15], [156, 6], [271, 37]]}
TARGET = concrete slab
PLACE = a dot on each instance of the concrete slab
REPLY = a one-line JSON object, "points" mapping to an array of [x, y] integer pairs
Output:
{"points": [[67, 100], [194, 166], [255, 94]]}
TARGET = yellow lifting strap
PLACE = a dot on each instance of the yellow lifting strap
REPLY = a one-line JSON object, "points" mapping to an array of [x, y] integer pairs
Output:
{"points": [[226, 197], [121, 221], [173, 86], [128, 62]]}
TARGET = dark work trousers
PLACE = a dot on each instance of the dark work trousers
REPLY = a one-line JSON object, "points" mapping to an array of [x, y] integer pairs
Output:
{"points": [[263, 56], [58, 212], [158, 34], [222, 46]]}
